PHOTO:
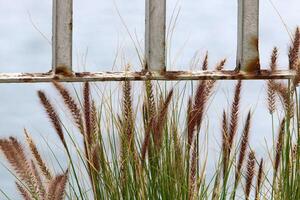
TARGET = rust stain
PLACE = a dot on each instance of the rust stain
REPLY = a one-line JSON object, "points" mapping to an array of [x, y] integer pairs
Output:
{"points": [[171, 75], [254, 42], [146, 66], [70, 26], [139, 74], [27, 80], [253, 65], [82, 74], [64, 71]]}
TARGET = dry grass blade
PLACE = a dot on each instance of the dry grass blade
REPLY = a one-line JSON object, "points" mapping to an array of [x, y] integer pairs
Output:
{"points": [[15, 154], [225, 144], [234, 114], [87, 112], [28, 173], [274, 58], [279, 144], [211, 83], [297, 78], [160, 120], [203, 92], [71, 105], [190, 126], [197, 110], [127, 131], [94, 122], [259, 180], [193, 171], [127, 138], [243, 148], [88, 134], [146, 141], [53, 116], [44, 169], [220, 65], [250, 173], [38, 181], [150, 99], [285, 96], [216, 188], [178, 150], [24, 193], [270, 83], [95, 154], [150, 113], [205, 62], [56, 188], [128, 121], [294, 50]]}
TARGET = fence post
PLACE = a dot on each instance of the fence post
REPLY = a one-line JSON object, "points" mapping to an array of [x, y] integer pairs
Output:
{"points": [[248, 22], [62, 36], [155, 32]]}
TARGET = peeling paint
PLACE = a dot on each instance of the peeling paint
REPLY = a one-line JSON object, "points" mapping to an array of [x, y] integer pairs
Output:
{"points": [[143, 75]]}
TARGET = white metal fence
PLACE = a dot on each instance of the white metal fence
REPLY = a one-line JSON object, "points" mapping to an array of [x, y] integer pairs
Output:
{"points": [[247, 61]]}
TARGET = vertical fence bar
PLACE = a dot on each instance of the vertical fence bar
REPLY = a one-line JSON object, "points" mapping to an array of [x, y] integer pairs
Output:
{"points": [[247, 50], [62, 36], [155, 32]]}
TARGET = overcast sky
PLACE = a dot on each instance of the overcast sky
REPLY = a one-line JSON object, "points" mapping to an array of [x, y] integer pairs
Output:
{"points": [[202, 25]]}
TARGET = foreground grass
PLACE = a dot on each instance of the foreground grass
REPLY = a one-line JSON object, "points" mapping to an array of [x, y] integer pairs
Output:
{"points": [[160, 161]]}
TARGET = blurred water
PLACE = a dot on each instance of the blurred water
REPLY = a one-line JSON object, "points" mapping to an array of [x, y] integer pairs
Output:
{"points": [[100, 36]]}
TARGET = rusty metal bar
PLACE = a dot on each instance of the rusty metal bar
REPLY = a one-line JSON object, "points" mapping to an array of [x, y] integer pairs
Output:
{"points": [[62, 36], [144, 75], [247, 50], [155, 32]]}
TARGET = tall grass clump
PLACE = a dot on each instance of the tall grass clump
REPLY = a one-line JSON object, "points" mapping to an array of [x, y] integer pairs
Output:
{"points": [[154, 149], [34, 180]]}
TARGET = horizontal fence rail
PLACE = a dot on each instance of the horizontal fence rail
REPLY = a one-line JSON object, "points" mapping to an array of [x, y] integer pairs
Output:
{"points": [[144, 75], [247, 59]]}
